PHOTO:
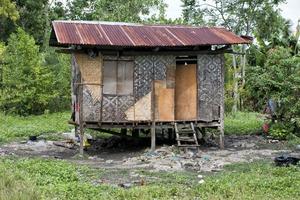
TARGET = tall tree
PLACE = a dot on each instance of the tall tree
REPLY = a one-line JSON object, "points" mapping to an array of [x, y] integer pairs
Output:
{"points": [[8, 10], [244, 17], [113, 10], [191, 12], [8, 16], [27, 83]]}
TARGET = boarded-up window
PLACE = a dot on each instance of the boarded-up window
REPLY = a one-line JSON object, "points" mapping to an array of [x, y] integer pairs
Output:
{"points": [[118, 77]]}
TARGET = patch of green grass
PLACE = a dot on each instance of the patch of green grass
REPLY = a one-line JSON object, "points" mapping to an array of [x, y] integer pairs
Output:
{"points": [[16, 127], [242, 123], [253, 181], [56, 179]]}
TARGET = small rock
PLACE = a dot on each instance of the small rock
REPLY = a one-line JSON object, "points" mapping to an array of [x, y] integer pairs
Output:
{"points": [[200, 176], [125, 185], [109, 161], [298, 147], [92, 158], [201, 181], [206, 157]]}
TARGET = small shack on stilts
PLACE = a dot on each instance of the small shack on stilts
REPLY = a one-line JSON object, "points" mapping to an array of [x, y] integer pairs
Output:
{"points": [[143, 77]]}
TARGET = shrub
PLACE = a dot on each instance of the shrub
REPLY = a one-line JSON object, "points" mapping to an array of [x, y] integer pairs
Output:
{"points": [[33, 82], [277, 79], [280, 131]]}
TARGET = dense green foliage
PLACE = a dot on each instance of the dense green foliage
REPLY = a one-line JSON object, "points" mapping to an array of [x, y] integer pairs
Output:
{"points": [[26, 87], [277, 79], [8, 10], [280, 131], [13, 127], [49, 179], [29, 84]]}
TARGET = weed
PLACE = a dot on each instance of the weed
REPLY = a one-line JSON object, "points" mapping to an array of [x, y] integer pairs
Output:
{"points": [[241, 123]]}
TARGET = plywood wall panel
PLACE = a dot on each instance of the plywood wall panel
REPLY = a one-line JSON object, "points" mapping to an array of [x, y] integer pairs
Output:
{"points": [[186, 92]]}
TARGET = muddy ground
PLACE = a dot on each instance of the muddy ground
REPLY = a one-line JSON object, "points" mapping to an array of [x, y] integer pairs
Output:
{"points": [[116, 152], [124, 158]]}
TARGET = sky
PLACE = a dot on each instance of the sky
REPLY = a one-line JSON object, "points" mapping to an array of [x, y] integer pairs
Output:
{"points": [[290, 10]]}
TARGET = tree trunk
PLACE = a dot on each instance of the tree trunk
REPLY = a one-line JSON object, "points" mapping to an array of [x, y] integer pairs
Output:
{"points": [[235, 85], [243, 66]]}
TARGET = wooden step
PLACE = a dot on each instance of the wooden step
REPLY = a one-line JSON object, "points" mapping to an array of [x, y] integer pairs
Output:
{"points": [[186, 139], [188, 145], [187, 136], [186, 131]]}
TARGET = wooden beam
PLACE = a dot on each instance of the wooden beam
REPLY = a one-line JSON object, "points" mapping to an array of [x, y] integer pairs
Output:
{"points": [[81, 125], [153, 137]]}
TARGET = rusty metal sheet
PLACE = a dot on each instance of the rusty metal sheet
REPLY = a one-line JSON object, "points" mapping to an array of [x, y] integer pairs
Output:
{"points": [[137, 35]]}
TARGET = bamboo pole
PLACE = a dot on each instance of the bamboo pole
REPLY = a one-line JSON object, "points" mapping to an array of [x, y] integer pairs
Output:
{"points": [[153, 134]]}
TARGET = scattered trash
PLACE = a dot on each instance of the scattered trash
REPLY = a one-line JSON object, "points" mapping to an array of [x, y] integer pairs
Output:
{"points": [[200, 176], [286, 161], [71, 136], [125, 185], [33, 138], [201, 181], [109, 161], [65, 144], [273, 141]]}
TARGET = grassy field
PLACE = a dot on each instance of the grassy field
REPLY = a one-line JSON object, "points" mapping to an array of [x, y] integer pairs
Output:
{"points": [[54, 179], [48, 125], [242, 123], [16, 127], [32, 178]]}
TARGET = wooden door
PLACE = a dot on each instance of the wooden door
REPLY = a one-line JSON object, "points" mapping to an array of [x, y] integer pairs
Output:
{"points": [[186, 92]]}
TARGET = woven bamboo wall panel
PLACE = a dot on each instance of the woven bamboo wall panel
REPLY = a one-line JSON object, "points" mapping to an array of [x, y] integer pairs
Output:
{"points": [[91, 72], [210, 86], [146, 67], [91, 108], [115, 107], [91, 78], [142, 108], [143, 74]]}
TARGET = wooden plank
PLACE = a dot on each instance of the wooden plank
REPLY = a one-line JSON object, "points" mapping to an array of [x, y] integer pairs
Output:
{"points": [[186, 92], [164, 100]]}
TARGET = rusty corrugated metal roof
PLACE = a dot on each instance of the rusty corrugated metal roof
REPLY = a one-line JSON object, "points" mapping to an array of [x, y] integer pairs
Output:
{"points": [[136, 35]]}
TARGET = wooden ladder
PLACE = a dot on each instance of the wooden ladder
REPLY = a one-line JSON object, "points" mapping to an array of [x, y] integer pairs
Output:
{"points": [[186, 136]]}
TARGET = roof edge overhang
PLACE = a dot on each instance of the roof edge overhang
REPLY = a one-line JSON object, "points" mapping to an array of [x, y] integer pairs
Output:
{"points": [[57, 34]]}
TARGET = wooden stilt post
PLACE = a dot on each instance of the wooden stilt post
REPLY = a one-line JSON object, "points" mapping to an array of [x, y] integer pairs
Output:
{"points": [[81, 125], [222, 110], [81, 129], [153, 136], [221, 138]]}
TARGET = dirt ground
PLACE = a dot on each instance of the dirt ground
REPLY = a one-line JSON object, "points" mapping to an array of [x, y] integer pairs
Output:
{"points": [[118, 153]]}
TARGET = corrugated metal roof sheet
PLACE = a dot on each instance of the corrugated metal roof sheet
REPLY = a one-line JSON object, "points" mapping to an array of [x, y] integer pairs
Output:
{"points": [[136, 35]]}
